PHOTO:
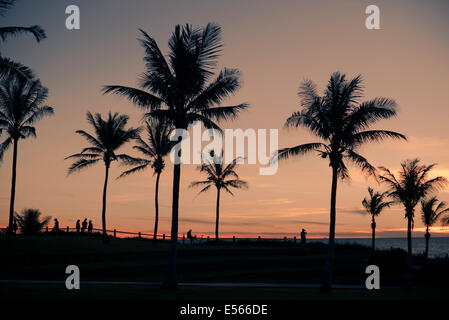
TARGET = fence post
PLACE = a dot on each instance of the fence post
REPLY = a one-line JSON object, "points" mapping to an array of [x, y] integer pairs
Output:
{"points": [[115, 233], [258, 238], [233, 239], [285, 239], [208, 238], [46, 229], [67, 229], [183, 238], [163, 236], [140, 235], [294, 240]]}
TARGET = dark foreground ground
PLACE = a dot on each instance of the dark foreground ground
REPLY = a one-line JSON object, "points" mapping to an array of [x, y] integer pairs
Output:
{"points": [[46, 257]]}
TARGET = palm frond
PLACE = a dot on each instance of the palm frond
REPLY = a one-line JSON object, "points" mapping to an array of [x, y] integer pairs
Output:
{"points": [[302, 149], [373, 136], [81, 164], [10, 69], [362, 162], [4, 146], [36, 31], [133, 170], [5, 5], [225, 84], [138, 97], [223, 113]]}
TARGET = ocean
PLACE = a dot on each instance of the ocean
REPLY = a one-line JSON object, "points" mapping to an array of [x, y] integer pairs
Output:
{"points": [[438, 246]]}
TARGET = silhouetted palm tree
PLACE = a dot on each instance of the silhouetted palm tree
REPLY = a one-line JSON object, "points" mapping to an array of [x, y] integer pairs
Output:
{"points": [[157, 146], [21, 106], [431, 211], [412, 185], [9, 67], [181, 89], [221, 177], [30, 222], [374, 206], [109, 136], [341, 121]]}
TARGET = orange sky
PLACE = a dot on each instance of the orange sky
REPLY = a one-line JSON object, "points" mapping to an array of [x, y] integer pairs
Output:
{"points": [[275, 44]]}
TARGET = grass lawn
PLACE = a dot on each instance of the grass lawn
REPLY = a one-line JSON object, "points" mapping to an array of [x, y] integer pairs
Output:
{"points": [[141, 293], [46, 257]]}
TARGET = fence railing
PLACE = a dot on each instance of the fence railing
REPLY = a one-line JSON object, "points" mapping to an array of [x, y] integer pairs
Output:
{"points": [[163, 236]]}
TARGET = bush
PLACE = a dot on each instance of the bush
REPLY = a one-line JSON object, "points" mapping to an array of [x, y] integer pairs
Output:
{"points": [[30, 222]]}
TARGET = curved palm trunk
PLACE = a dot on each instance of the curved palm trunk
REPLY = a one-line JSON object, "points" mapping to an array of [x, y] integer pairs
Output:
{"points": [[427, 236], [373, 240], [218, 214], [409, 253], [13, 187], [156, 204], [170, 277], [103, 212], [326, 287]]}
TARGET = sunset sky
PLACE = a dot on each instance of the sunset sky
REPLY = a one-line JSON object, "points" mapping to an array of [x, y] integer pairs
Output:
{"points": [[276, 45]]}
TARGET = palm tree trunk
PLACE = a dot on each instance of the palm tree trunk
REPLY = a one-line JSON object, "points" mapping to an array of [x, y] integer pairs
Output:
{"points": [[13, 187], [170, 277], [326, 287], [373, 241], [218, 214], [156, 204], [409, 253], [427, 236], [103, 212]]}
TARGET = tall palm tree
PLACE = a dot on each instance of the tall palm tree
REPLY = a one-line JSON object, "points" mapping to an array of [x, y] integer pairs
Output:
{"points": [[374, 206], [109, 136], [340, 120], [431, 211], [157, 146], [182, 90], [21, 106], [222, 178], [9, 67], [412, 185]]}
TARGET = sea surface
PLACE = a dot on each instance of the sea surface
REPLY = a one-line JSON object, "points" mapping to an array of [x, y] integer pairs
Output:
{"points": [[438, 247]]}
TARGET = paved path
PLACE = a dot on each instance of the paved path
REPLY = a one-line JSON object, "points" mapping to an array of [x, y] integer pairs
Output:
{"points": [[198, 284]]}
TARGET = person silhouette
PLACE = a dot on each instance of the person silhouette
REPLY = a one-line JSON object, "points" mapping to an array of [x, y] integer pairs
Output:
{"points": [[90, 227], [56, 226], [78, 225], [190, 237], [303, 236], [84, 225]]}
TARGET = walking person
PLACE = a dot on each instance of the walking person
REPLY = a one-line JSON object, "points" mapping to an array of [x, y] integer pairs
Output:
{"points": [[90, 227], [78, 226], [56, 226], [303, 236], [190, 236], [84, 225]]}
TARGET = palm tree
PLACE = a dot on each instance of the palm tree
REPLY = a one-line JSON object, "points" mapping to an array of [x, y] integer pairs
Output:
{"points": [[158, 146], [340, 120], [30, 222], [412, 185], [374, 206], [221, 177], [181, 90], [109, 136], [9, 67], [431, 211], [21, 105]]}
